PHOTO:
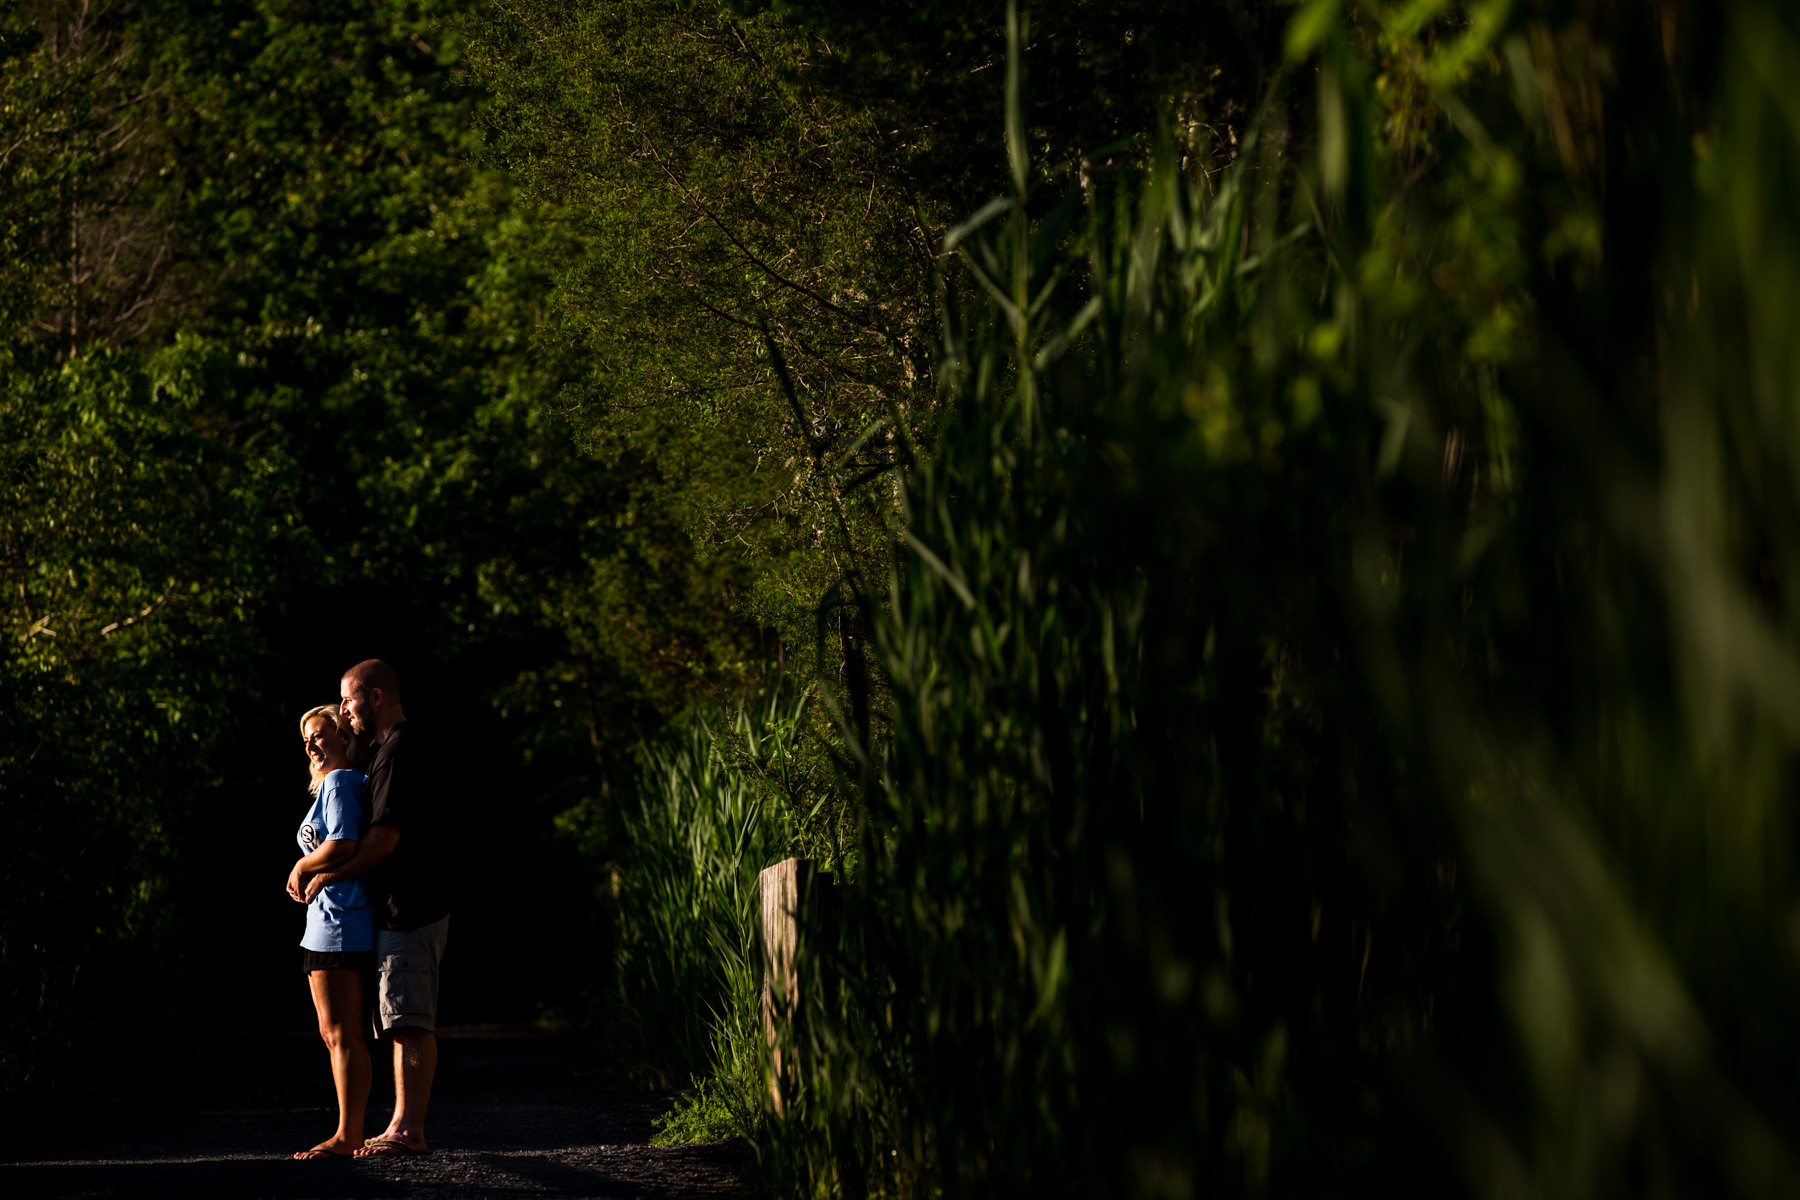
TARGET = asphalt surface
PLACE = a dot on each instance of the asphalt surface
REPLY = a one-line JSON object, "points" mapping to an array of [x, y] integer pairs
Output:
{"points": [[514, 1113]]}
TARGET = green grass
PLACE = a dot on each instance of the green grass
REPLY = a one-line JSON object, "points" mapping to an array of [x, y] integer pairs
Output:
{"points": [[1329, 724], [695, 841]]}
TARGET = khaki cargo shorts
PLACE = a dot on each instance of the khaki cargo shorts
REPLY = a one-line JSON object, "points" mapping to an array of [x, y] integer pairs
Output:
{"points": [[408, 961]]}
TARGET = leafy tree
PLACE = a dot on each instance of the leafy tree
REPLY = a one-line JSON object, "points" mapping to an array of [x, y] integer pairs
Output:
{"points": [[326, 425], [134, 547], [1104, 79], [721, 210]]}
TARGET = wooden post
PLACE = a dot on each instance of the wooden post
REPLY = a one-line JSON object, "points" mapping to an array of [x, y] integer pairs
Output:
{"points": [[785, 887]]}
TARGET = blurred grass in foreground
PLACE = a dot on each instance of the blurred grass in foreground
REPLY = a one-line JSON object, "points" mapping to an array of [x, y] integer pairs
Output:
{"points": [[1341, 662]]}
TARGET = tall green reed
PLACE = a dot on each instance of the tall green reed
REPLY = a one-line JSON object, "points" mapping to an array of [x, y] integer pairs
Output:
{"points": [[1086, 798], [1340, 665], [1340, 662], [725, 794], [687, 960]]}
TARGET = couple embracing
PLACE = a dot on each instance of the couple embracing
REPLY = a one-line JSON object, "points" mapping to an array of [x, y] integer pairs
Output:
{"points": [[373, 878]]}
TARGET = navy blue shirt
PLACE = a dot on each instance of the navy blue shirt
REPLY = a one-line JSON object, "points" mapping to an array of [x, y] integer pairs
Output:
{"points": [[409, 791]]}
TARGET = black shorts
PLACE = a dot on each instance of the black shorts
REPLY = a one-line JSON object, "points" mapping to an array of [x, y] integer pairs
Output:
{"points": [[336, 960]]}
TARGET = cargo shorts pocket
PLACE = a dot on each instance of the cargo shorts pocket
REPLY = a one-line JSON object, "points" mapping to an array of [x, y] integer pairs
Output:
{"points": [[408, 988]]}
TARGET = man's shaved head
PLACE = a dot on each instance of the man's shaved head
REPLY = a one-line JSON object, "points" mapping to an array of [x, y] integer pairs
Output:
{"points": [[373, 673], [369, 694]]}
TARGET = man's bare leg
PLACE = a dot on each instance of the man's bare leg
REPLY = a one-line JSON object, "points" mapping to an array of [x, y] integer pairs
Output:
{"points": [[415, 1066], [338, 996]]}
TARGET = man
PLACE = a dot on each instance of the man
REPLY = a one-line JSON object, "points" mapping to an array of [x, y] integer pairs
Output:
{"points": [[403, 855]]}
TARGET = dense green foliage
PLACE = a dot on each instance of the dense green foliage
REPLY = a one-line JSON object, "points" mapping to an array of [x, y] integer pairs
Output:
{"points": [[270, 407], [134, 544], [1293, 614], [1341, 713], [755, 205], [719, 211]]}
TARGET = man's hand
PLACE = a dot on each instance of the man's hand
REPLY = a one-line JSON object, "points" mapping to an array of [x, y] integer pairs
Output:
{"points": [[318, 868]]}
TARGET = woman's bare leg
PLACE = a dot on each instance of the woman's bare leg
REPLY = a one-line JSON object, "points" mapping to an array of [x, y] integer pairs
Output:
{"points": [[338, 995]]}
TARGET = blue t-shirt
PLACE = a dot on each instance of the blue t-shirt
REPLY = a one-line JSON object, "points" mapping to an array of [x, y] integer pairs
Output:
{"points": [[339, 917]]}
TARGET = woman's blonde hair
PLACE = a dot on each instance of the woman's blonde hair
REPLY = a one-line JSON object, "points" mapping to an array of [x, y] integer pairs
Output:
{"points": [[338, 722]]}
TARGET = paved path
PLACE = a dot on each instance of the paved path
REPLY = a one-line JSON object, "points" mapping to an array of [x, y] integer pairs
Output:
{"points": [[514, 1114]]}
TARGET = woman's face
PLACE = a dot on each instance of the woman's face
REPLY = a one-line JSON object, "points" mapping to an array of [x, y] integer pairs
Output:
{"points": [[324, 746]]}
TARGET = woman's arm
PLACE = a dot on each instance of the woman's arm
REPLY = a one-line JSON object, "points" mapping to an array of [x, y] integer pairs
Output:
{"points": [[328, 855]]}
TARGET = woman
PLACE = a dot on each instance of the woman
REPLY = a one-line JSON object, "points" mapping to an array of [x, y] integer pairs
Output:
{"points": [[339, 947]]}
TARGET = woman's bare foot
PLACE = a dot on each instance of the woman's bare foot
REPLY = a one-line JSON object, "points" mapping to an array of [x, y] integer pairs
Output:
{"points": [[334, 1147]]}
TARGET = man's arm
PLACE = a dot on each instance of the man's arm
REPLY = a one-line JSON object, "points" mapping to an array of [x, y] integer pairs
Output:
{"points": [[375, 846], [328, 855]]}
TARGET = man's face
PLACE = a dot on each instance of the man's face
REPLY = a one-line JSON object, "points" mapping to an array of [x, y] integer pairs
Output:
{"points": [[357, 703]]}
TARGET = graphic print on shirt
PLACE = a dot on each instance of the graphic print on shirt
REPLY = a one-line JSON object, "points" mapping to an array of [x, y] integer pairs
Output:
{"points": [[309, 837]]}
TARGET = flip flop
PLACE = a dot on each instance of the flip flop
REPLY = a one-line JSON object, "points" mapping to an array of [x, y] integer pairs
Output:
{"points": [[390, 1148], [316, 1152]]}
